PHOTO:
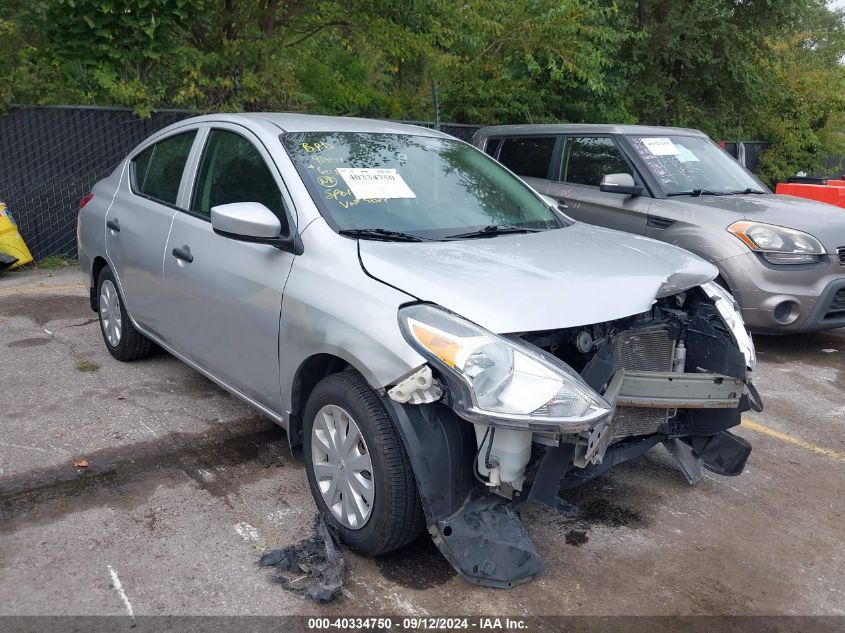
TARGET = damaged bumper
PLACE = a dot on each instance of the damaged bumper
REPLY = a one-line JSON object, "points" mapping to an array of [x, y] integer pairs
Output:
{"points": [[678, 376], [638, 396]]}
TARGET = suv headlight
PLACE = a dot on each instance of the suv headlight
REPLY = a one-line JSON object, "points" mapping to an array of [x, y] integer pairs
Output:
{"points": [[778, 244], [729, 311], [500, 380]]}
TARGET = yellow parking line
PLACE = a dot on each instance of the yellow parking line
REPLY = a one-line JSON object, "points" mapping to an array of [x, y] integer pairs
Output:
{"points": [[43, 289], [821, 450]]}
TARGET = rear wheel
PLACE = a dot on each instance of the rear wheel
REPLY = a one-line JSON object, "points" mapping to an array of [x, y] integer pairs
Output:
{"points": [[357, 467], [122, 340]]}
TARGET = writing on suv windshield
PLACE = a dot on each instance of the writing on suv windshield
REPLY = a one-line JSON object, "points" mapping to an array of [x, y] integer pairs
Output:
{"points": [[692, 165], [398, 186]]}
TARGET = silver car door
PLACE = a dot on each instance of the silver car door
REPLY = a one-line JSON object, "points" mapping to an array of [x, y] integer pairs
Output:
{"points": [[138, 221], [585, 160], [224, 295]]}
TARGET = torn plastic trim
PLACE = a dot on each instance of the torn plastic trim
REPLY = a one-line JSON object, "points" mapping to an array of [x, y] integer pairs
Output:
{"points": [[475, 530], [420, 387], [685, 459], [731, 316], [487, 544], [723, 453]]}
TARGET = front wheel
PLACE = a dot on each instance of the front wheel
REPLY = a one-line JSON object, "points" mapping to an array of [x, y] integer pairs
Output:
{"points": [[357, 467]]}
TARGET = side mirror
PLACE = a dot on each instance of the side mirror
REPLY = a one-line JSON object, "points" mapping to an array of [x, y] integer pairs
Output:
{"points": [[620, 183], [252, 222]]}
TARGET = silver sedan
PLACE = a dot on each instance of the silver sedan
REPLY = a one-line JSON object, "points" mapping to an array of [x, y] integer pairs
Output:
{"points": [[441, 341]]}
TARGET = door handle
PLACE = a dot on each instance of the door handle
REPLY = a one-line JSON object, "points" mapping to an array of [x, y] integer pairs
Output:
{"points": [[184, 254], [113, 225]]}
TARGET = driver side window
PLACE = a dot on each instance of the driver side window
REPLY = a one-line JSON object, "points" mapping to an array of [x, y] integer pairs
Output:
{"points": [[232, 170]]}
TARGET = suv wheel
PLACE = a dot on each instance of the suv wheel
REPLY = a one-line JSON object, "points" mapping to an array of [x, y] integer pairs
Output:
{"points": [[123, 341], [357, 467]]}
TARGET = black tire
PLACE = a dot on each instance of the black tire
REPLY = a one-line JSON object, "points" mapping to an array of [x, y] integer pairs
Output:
{"points": [[396, 516], [132, 344]]}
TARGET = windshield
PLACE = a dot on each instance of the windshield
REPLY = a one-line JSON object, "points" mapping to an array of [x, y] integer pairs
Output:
{"points": [[429, 187], [691, 164]]}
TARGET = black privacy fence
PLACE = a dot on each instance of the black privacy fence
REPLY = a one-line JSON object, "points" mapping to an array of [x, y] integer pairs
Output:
{"points": [[51, 156]]}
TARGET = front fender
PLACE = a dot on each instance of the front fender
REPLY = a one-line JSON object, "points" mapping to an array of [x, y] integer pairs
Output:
{"points": [[331, 306]]}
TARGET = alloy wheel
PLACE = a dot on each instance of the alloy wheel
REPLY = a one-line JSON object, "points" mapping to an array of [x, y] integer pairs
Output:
{"points": [[110, 315]]}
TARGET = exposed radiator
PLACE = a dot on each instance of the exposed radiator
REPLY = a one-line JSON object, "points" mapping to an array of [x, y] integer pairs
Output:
{"points": [[642, 349]]}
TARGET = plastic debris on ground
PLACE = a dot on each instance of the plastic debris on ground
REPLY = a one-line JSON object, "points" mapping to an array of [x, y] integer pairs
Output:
{"points": [[6, 261], [313, 567]]}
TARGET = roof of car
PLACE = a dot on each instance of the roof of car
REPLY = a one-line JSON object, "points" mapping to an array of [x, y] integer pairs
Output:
{"points": [[584, 128], [292, 122]]}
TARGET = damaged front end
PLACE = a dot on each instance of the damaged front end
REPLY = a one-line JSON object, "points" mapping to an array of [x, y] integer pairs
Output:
{"points": [[550, 410]]}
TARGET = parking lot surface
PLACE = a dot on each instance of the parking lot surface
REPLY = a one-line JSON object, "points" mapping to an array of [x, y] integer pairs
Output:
{"points": [[185, 486]]}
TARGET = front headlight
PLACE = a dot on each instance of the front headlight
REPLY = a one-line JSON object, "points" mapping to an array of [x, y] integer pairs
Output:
{"points": [[500, 380], [729, 311], [778, 244]]}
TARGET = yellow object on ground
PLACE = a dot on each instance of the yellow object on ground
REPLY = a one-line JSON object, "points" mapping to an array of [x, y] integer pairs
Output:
{"points": [[11, 241]]}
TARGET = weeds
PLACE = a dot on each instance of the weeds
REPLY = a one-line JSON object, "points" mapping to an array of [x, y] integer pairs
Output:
{"points": [[87, 365], [55, 262]]}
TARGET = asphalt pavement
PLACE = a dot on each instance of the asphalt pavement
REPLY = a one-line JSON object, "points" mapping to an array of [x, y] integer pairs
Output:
{"points": [[178, 488]]}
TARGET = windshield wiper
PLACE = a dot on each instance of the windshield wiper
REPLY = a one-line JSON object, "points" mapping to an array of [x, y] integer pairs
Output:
{"points": [[385, 235], [697, 192], [745, 191], [491, 230]]}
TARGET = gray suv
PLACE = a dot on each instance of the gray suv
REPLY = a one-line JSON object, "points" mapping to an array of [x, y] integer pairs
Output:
{"points": [[783, 258], [441, 342]]}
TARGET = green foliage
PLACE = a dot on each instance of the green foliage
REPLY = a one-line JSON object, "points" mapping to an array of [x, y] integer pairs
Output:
{"points": [[755, 69], [526, 60], [56, 262], [86, 365], [806, 113]]}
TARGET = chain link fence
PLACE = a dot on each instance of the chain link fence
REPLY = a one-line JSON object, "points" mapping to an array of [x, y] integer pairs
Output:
{"points": [[834, 167], [749, 154], [51, 156]]}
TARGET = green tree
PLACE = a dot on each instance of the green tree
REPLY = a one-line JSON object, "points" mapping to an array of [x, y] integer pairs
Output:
{"points": [[751, 69], [508, 61], [763, 69]]}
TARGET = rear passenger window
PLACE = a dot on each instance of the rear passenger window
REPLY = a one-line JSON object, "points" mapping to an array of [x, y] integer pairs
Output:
{"points": [[157, 171], [232, 170], [587, 160], [528, 156]]}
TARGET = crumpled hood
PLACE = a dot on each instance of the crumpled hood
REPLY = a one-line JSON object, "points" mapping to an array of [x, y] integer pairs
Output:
{"points": [[576, 275]]}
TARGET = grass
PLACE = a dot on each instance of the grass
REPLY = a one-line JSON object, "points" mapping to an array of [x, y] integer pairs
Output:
{"points": [[87, 365], [55, 262]]}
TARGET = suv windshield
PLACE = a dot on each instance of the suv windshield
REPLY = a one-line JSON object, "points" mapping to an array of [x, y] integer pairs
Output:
{"points": [[421, 186], [693, 165]]}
